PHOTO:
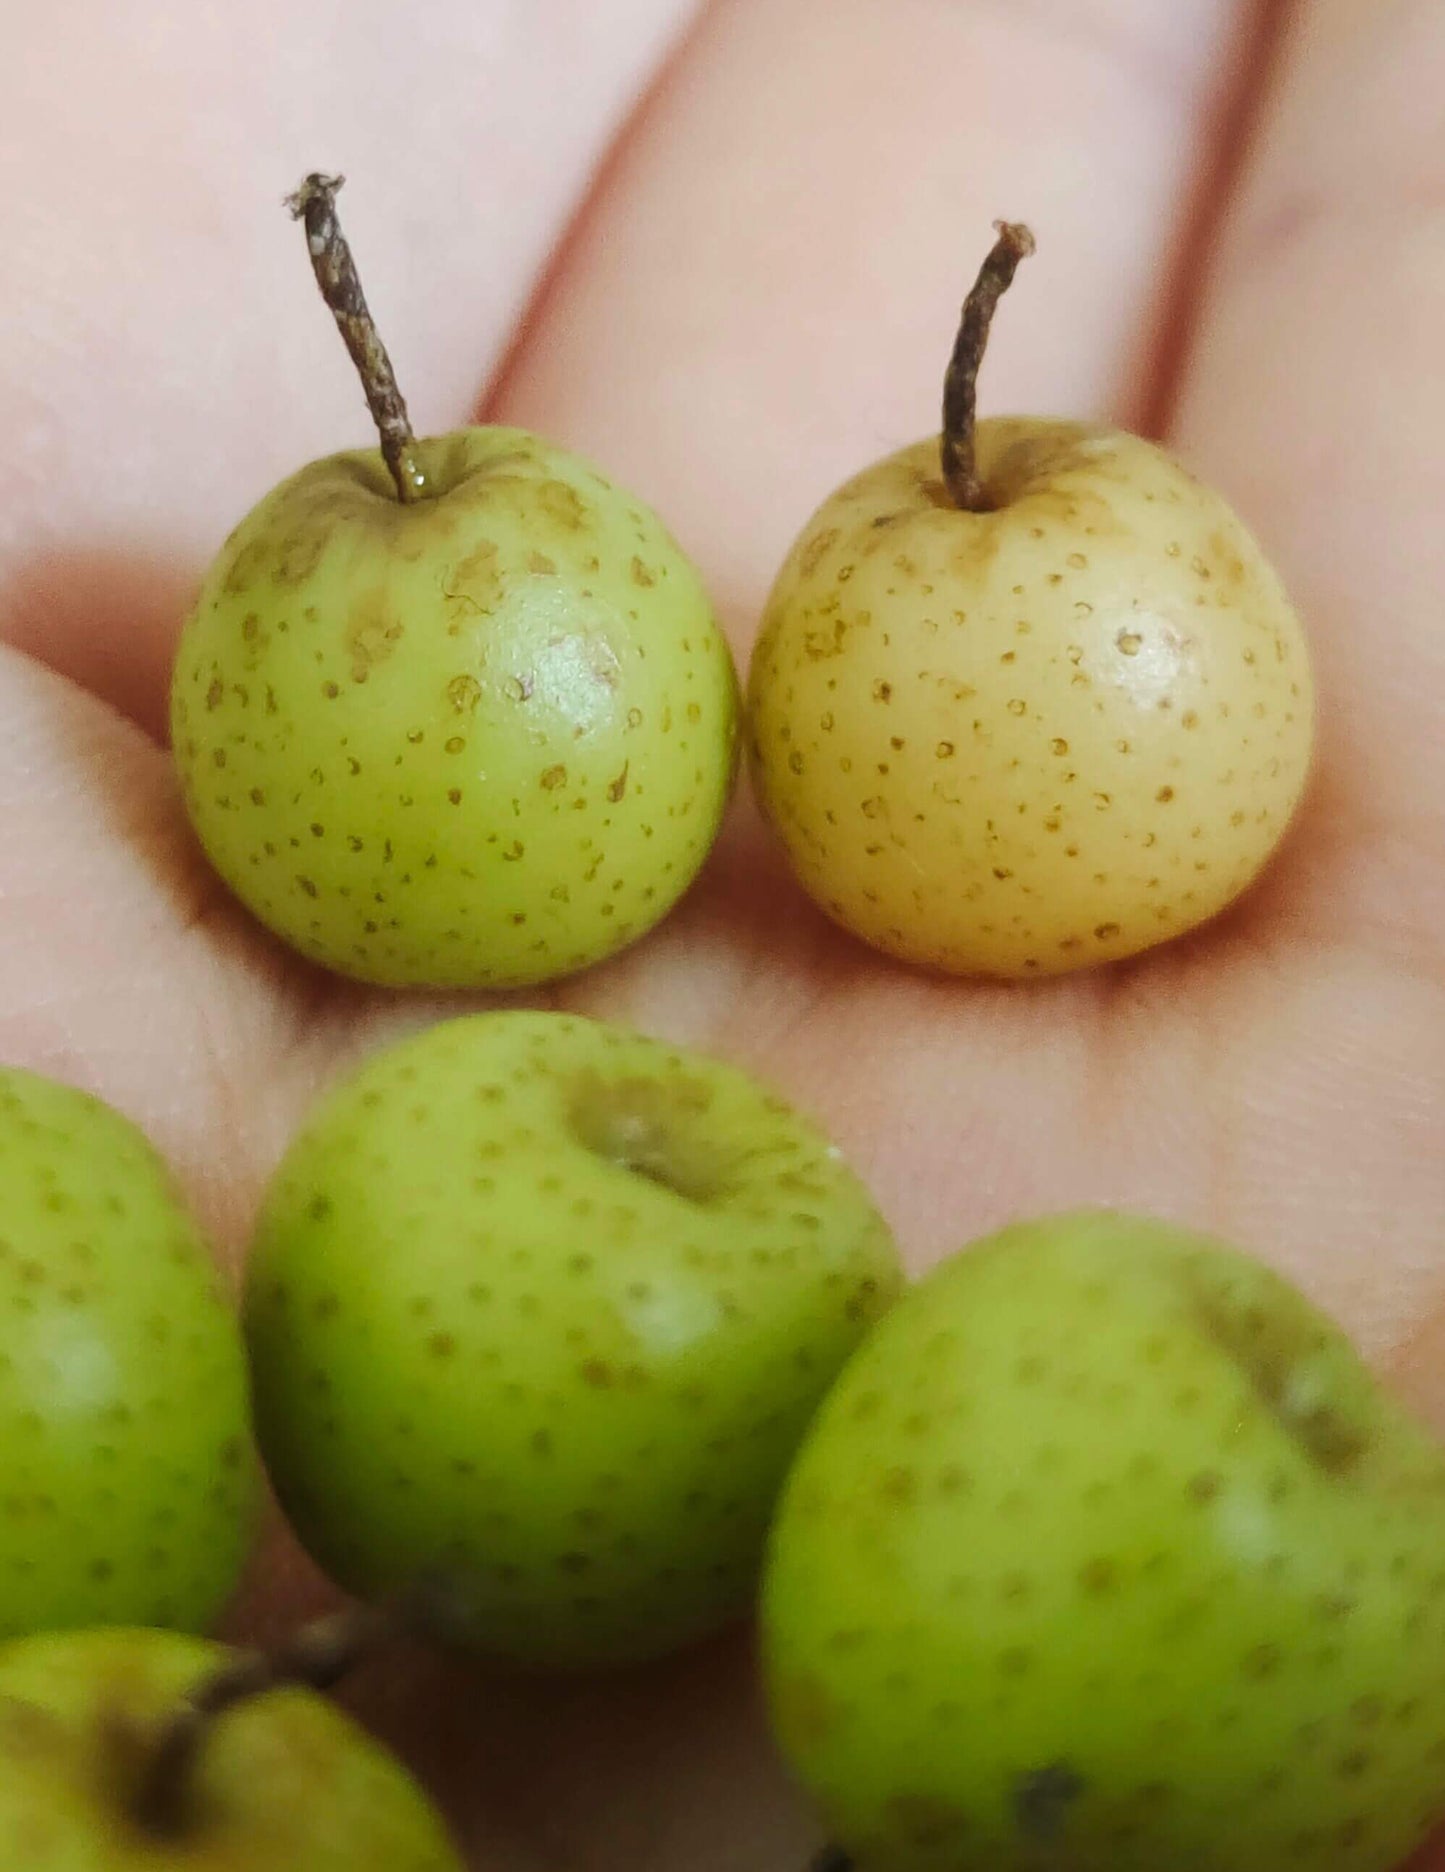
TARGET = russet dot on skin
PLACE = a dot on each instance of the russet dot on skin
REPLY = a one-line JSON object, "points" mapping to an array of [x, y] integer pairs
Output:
{"points": [[1018, 742]]}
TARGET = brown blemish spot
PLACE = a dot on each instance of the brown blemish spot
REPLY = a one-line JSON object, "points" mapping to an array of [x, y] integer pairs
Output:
{"points": [[540, 564], [464, 693], [617, 787], [640, 573], [371, 635], [246, 566], [475, 582], [1042, 1800], [299, 555], [554, 777], [812, 554], [563, 504]]}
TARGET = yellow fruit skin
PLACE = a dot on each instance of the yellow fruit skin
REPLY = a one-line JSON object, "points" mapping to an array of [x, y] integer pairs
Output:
{"points": [[484, 740], [1024, 741]]}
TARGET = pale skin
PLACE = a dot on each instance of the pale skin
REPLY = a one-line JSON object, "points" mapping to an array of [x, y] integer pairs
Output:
{"points": [[756, 299]]}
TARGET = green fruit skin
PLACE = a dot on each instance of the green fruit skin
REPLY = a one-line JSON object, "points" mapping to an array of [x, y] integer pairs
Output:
{"points": [[482, 740], [486, 1349], [128, 1477], [1107, 1552], [283, 1784]]}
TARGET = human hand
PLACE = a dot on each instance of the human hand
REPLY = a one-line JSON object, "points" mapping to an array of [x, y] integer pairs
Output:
{"points": [[756, 298]]}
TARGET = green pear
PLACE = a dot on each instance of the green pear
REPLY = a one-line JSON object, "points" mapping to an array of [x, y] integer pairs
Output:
{"points": [[466, 723], [541, 1308], [1108, 1554], [284, 1783], [128, 1478]]}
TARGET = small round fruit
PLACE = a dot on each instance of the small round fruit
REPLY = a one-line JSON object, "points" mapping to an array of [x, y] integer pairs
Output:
{"points": [[1016, 742], [1026, 696], [128, 1481], [542, 1307], [450, 713], [480, 740], [284, 1783], [1108, 1552]]}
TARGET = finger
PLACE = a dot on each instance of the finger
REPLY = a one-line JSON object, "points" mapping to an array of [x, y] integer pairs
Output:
{"points": [[1315, 395], [163, 356], [762, 296]]}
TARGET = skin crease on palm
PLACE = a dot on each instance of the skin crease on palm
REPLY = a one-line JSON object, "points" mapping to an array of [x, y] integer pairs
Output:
{"points": [[1241, 246]]}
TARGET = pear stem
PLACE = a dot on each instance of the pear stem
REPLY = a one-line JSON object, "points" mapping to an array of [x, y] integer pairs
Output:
{"points": [[960, 383], [314, 203], [317, 1656]]}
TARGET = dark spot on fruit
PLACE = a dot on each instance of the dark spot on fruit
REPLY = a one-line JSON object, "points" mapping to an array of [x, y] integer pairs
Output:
{"points": [[1043, 1799], [562, 504], [464, 693], [812, 554], [1098, 1576], [246, 566]]}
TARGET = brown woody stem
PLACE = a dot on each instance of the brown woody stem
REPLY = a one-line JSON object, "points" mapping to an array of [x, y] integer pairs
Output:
{"points": [[318, 1656], [960, 383], [314, 203]]}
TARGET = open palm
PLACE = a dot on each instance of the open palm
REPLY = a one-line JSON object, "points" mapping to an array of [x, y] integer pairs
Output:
{"points": [[732, 298]]}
